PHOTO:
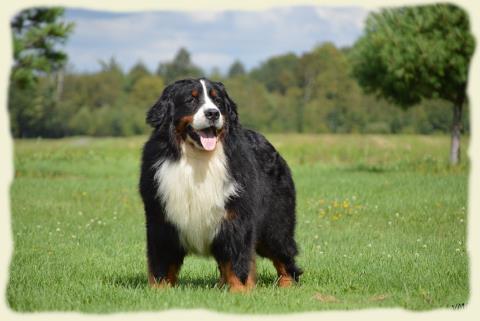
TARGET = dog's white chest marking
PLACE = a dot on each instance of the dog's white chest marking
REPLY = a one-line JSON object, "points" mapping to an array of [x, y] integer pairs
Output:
{"points": [[194, 191]]}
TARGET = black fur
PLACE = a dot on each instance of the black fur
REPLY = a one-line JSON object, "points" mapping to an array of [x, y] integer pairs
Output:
{"points": [[264, 208]]}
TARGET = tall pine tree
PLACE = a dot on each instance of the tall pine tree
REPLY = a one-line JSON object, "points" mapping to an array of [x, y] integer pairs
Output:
{"points": [[36, 32]]}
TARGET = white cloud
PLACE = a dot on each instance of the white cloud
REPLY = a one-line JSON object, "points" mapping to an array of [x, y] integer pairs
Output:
{"points": [[214, 38], [155, 52], [209, 60], [343, 17], [115, 29], [204, 16]]}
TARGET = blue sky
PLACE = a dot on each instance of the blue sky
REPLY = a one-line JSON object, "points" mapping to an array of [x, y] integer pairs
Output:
{"points": [[215, 39]]}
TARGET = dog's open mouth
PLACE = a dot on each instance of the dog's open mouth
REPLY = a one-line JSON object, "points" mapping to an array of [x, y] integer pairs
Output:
{"points": [[206, 137]]}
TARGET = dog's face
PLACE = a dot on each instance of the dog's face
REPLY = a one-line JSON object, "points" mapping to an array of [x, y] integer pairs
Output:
{"points": [[199, 111]]}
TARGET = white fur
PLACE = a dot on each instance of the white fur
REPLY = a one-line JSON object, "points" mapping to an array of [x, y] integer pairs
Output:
{"points": [[194, 190], [199, 119]]}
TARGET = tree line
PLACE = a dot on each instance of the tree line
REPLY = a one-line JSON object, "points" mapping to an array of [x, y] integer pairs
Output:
{"points": [[311, 93], [319, 91]]}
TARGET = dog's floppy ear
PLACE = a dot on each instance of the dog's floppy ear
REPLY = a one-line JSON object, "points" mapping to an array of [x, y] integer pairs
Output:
{"points": [[230, 104], [160, 112]]}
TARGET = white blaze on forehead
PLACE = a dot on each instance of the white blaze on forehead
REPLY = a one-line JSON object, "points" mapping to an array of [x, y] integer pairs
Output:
{"points": [[208, 102], [200, 121]]}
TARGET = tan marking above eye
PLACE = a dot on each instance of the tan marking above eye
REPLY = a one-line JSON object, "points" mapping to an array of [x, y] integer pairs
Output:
{"points": [[195, 93], [213, 93]]}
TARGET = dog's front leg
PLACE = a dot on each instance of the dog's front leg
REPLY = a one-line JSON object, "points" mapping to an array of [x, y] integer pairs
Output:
{"points": [[234, 251], [164, 253]]}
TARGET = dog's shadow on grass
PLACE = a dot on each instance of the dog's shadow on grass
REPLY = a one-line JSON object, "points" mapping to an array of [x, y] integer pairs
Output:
{"points": [[139, 281]]}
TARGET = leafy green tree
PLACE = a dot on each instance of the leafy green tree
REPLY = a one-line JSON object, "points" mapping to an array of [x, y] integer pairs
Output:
{"points": [[95, 90], [414, 53], [215, 74], [282, 111], [327, 91], [278, 73], [107, 86], [181, 67], [253, 101], [236, 69], [138, 71], [37, 32], [146, 91]]}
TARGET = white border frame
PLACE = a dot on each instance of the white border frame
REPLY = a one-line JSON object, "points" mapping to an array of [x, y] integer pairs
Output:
{"points": [[8, 10]]}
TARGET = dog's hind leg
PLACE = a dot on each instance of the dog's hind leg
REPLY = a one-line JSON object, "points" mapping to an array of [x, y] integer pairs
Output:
{"points": [[282, 254], [252, 275], [229, 278], [251, 278], [285, 279]]}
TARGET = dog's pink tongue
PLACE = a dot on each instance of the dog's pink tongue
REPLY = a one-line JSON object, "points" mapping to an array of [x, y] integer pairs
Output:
{"points": [[208, 139]]}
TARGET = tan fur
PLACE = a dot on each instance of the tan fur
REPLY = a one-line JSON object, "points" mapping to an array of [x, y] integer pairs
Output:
{"points": [[169, 280], [285, 280], [229, 278]]}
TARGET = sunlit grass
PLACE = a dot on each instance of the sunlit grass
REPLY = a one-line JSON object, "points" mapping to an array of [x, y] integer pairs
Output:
{"points": [[381, 223]]}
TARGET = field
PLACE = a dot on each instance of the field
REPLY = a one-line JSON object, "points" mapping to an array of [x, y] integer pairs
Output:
{"points": [[381, 223]]}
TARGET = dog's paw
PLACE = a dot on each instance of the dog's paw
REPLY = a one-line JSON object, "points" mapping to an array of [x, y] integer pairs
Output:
{"points": [[285, 282]]}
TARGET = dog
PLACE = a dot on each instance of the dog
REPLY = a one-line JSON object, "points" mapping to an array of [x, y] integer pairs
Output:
{"points": [[213, 188]]}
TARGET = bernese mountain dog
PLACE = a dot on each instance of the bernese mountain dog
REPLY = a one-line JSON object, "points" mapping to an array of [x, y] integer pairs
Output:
{"points": [[211, 187]]}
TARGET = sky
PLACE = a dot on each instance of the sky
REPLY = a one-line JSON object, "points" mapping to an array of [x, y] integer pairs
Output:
{"points": [[214, 39]]}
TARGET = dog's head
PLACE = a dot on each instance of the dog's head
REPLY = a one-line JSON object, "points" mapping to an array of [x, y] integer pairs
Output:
{"points": [[197, 111]]}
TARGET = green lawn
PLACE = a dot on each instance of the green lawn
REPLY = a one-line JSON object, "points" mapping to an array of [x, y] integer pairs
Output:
{"points": [[381, 223]]}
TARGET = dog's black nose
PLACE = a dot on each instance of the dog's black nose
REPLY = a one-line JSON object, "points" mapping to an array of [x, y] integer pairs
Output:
{"points": [[212, 114]]}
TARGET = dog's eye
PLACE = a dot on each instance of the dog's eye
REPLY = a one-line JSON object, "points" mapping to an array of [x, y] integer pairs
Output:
{"points": [[217, 100], [191, 100]]}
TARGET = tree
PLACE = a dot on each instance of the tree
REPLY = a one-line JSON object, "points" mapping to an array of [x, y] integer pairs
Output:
{"points": [[107, 86], [236, 69], [181, 67], [138, 71], [215, 74], [324, 86], [252, 99], [413, 53], [146, 91], [278, 73], [37, 32]]}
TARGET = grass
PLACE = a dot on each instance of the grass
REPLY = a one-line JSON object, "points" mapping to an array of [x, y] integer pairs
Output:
{"points": [[381, 223]]}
